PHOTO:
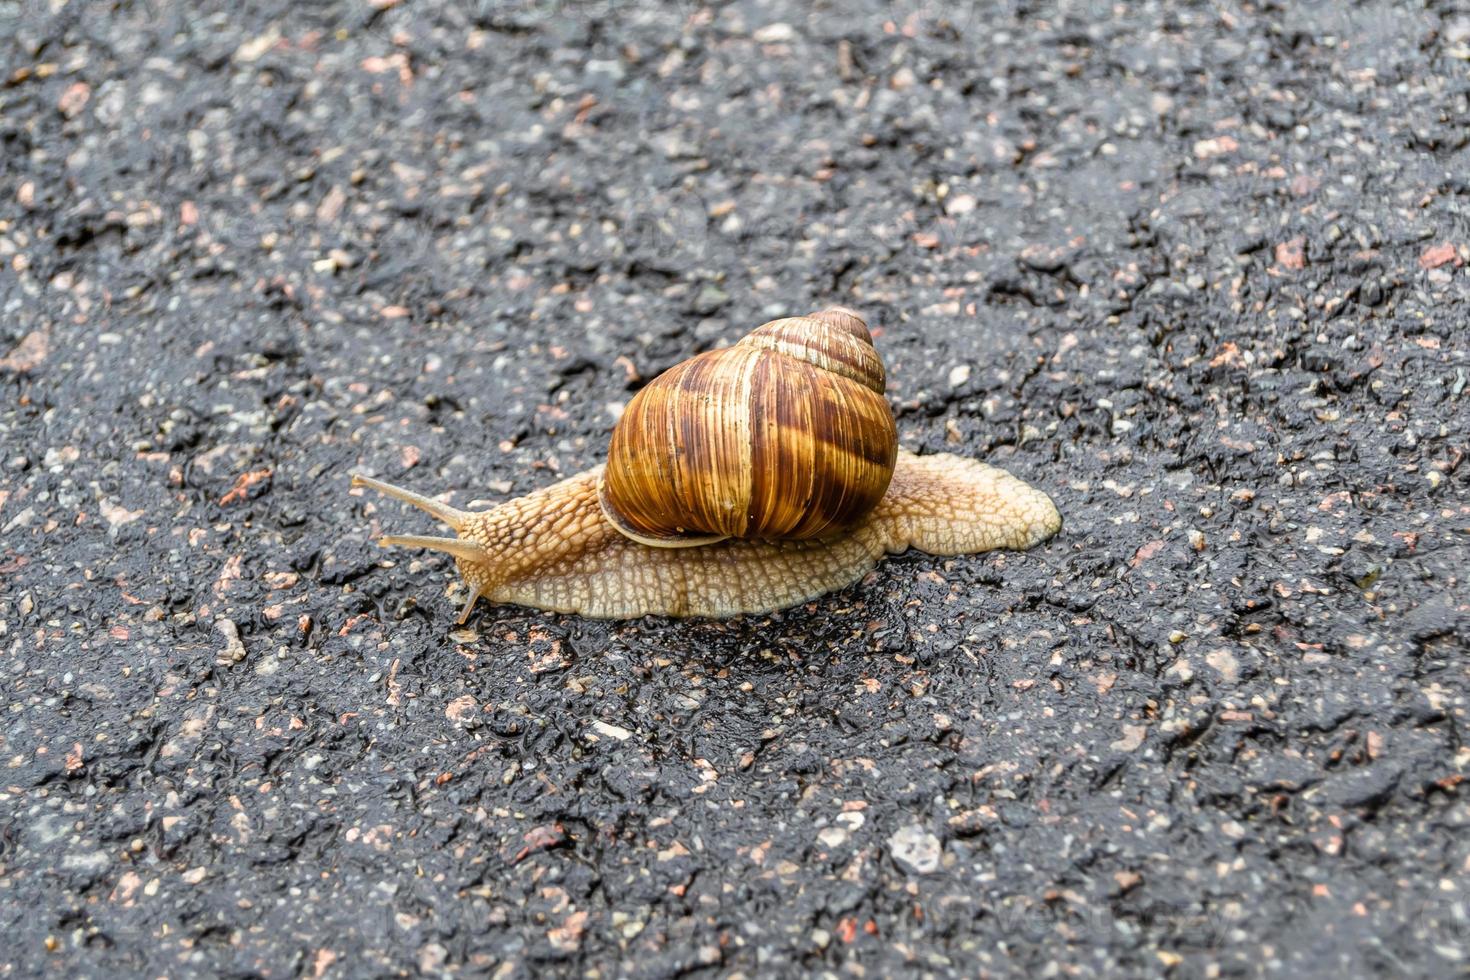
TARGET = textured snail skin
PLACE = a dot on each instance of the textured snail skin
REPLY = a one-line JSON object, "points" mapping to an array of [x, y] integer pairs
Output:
{"points": [[554, 550]]}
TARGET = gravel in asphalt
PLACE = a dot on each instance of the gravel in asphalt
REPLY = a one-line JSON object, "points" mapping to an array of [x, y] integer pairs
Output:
{"points": [[1197, 270]]}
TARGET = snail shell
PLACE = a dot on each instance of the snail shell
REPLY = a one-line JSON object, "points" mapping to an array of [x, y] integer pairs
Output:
{"points": [[785, 435]]}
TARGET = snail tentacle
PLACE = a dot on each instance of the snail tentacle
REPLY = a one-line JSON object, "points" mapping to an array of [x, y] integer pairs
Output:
{"points": [[452, 516], [462, 550], [457, 547]]}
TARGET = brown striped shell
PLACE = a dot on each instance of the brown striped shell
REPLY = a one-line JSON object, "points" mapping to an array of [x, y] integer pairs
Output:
{"points": [[785, 435]]}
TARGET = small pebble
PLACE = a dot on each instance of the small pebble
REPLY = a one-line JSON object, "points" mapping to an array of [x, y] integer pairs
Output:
{"points": [[915, 849]]}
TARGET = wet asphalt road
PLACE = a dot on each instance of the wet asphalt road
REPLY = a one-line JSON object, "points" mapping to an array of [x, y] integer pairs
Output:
{"points": [[1197, 269]]}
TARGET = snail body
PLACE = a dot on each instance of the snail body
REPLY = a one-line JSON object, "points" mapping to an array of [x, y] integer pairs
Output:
{"points": [[695, 515]]}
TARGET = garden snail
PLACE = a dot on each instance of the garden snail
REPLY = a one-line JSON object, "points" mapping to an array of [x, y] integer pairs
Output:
{"points": [[742, 480]]}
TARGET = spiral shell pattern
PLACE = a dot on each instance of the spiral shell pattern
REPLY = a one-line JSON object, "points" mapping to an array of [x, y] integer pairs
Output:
{"points": [[785, 435]]}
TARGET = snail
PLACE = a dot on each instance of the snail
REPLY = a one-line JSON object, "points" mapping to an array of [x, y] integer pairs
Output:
{"points": [[742, 480]]}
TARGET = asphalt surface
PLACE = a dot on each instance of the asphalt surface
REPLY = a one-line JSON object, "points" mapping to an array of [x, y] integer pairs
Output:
{"points": [[1197, 269]]}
